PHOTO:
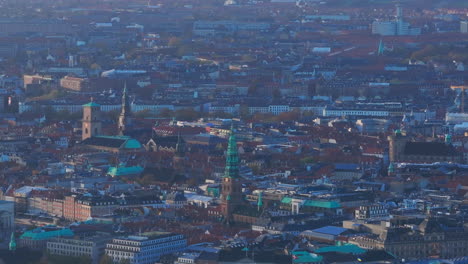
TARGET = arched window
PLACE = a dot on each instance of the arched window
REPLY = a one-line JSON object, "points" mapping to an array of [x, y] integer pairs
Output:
{"points": [[86, 130]]}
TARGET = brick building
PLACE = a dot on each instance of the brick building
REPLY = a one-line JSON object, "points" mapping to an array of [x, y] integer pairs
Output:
{"points": [[82, 207]]}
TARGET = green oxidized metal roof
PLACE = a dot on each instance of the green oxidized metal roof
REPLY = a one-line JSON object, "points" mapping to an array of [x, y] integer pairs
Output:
{"points": [[132, 144], [305, 257], [346, 249], [286, 200], [322, 204], [119, 171], [40, 234], [91, 104], [213, 191]]}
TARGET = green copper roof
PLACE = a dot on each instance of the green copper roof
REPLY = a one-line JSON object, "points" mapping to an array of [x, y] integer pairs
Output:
{"points": [[120, 171], [228, 198], [305, 257], [286, 200], [346, 249], [91, 104], [232, 157], [132, 144], [40, 234], [322, 204], [213, 191], [313, 203]]}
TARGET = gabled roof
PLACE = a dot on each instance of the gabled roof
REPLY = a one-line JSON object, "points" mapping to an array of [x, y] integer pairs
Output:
{"points": [[331, 230], [429, 149]]}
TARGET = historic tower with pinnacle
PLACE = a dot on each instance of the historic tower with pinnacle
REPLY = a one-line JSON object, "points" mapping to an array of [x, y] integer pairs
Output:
{"points": [[231, 188], [124, 113], [91, 123]]}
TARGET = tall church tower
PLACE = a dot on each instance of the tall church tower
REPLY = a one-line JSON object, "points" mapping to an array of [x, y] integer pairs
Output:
{"points": [[124, 113], [396, 146], [231, 187], [179, 154], [91, 123]]}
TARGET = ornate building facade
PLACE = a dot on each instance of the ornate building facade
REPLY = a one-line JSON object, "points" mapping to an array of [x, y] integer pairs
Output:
{"points": [[434, 237]]}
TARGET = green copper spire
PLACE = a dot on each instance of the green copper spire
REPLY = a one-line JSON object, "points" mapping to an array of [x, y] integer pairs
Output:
{"points": [[260, 200], [12, 245], [232, 157], [381, 49], [125, 103], [391, 168], [448, 139]]}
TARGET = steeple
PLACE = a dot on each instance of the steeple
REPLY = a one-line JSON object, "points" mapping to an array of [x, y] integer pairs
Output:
{"points": [[231, 187], [232, 157], [91, 123], [260, 201], [12, 245], [391, 168], [381, 48], [123, 117], [180, 147], [448, 139]]}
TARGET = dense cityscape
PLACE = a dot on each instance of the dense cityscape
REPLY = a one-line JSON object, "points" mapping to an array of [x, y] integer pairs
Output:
{"points": [[233, 131]]}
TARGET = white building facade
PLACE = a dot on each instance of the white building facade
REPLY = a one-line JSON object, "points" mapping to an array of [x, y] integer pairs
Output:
{"points": [[145, 249]]}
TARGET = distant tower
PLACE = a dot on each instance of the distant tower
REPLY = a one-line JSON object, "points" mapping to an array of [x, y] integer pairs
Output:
{"points": [[399, 12], [91, 123], [448, 139], [260, 201], [179, 155], [231, 187], [400, 30], [71, 61], [397, 144], [391, 169], [124, 113], [381, 49], [12, 244]]}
